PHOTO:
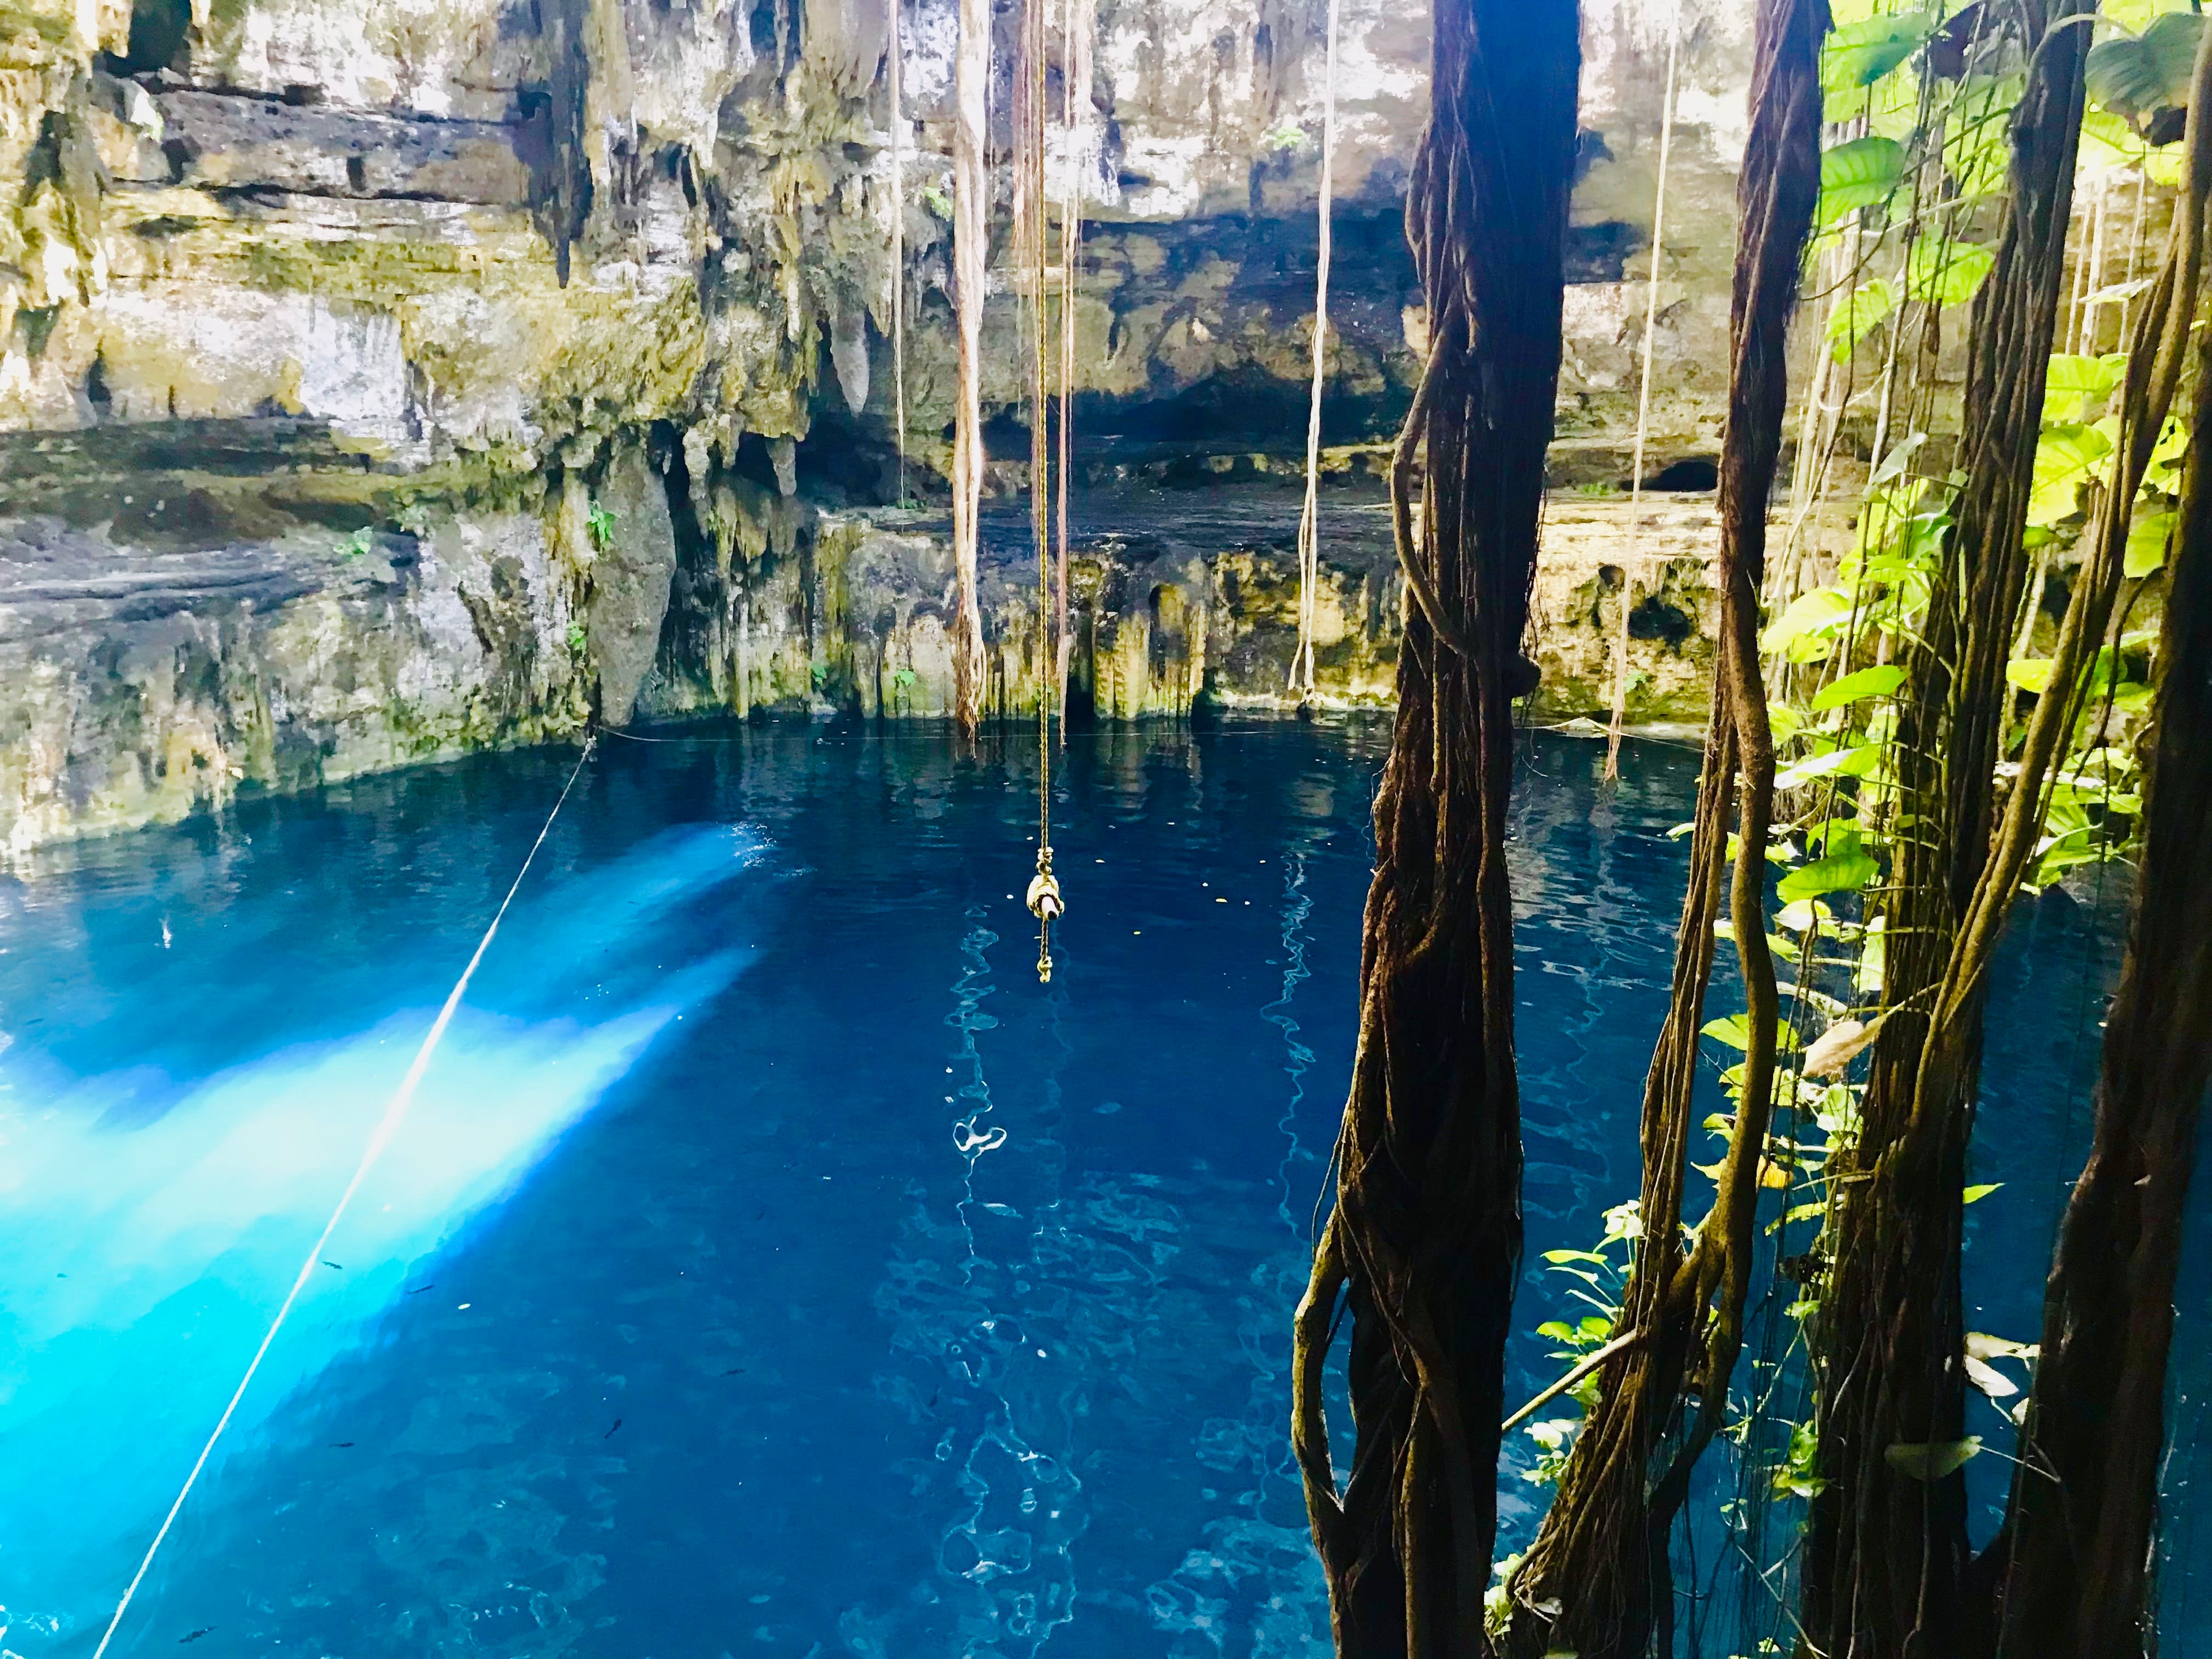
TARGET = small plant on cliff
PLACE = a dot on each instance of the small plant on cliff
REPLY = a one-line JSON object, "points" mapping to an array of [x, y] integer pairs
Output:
{"points": [[1283, 139], [600, 524], [577, 638], [356, 546]]}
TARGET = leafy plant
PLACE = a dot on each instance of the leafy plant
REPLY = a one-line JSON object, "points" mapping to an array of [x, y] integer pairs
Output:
{"points": [[577, 638], [601, 525], [2144, 79], [1863, 173], [1857, 55]]}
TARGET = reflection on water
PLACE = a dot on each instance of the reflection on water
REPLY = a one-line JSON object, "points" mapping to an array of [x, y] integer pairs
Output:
{"points": [[771, 1267]]}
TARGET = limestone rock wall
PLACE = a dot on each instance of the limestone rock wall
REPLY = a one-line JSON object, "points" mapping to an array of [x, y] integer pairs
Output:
{"points": [[380, 379]]}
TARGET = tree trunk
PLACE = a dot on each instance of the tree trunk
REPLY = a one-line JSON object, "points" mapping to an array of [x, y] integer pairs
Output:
{"points": [[2076, 1550], [1423, 1249]]}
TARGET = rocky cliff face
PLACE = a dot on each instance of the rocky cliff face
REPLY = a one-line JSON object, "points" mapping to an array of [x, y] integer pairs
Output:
{"points": [[381, 379]]}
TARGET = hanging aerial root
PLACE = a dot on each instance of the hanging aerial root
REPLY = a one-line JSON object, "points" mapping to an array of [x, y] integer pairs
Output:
{"points": [[1597, 1580], [2071, 1570], [1420, 1257], [1886, 1563]]}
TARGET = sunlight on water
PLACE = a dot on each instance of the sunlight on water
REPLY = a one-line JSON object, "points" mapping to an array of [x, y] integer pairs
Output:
{"points": [[148, 1233]]}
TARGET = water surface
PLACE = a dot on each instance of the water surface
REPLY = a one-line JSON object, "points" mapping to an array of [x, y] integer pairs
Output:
{"points": [[771, 1265]]}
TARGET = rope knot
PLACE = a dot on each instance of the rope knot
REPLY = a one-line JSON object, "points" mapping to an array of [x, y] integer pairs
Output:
{"points": [[1044, 899]]}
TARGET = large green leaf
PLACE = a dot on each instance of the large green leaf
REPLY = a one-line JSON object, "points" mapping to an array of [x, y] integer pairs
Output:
{"points": [[1859, 54], [2070, 381], [1823, 607], [1839, 872], [1854, 762], [2147, 543], [1879, 681], [2136, 78], [1932, 1460], [1861, 173], [1857, 314], [1942, 272], [2066, 457]]}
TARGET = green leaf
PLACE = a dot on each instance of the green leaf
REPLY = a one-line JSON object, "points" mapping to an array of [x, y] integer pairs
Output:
{"points": [[2074, 379], [2134, 79], [1976, 1194], [1861, 173], [2031, 673], [1822, 607], [1933, 1460], [1879, 681], [1942, 272], [1838, 873], [1851, 762], [1735, 1031], [2066, 457], [2148, 539], [1859, 54], [1858, 315]]}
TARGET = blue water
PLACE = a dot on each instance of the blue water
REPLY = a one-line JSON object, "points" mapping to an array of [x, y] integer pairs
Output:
{"points": [[770, 1266]]}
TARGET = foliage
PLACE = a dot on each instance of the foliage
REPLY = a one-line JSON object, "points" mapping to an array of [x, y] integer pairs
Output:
{"points": [[2140, 78], [600, 524]]}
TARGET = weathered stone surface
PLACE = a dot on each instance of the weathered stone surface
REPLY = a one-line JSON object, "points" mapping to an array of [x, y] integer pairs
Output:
{"points": [[140, 687], [448, 273], [633, 561]]}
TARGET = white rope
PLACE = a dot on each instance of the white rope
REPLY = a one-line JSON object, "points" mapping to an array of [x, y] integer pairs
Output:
{"points": [[1301, 677], [388, 1126], [1642, 405]]}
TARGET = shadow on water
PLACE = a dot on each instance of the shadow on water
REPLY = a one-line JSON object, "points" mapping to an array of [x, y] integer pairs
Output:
{"points": [[772, 1265]]}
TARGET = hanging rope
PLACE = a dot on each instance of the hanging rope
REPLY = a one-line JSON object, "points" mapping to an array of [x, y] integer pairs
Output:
{"points": [[1301, 663], [1075, 96], [1043, 897], [893, 68], [971, 195], [388, 1126], [1642, 405]]}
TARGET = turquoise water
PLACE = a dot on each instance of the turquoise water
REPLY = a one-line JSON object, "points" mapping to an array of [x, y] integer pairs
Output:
{"points": [[770, 1266]]}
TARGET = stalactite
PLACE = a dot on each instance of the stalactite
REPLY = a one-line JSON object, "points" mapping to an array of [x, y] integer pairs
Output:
{"points": [[971, 196], [1422, 1250], [1601, 1560]]}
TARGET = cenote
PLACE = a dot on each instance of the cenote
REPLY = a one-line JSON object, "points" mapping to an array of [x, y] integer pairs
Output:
{"points": [[982, 829], [771, 1264]]}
